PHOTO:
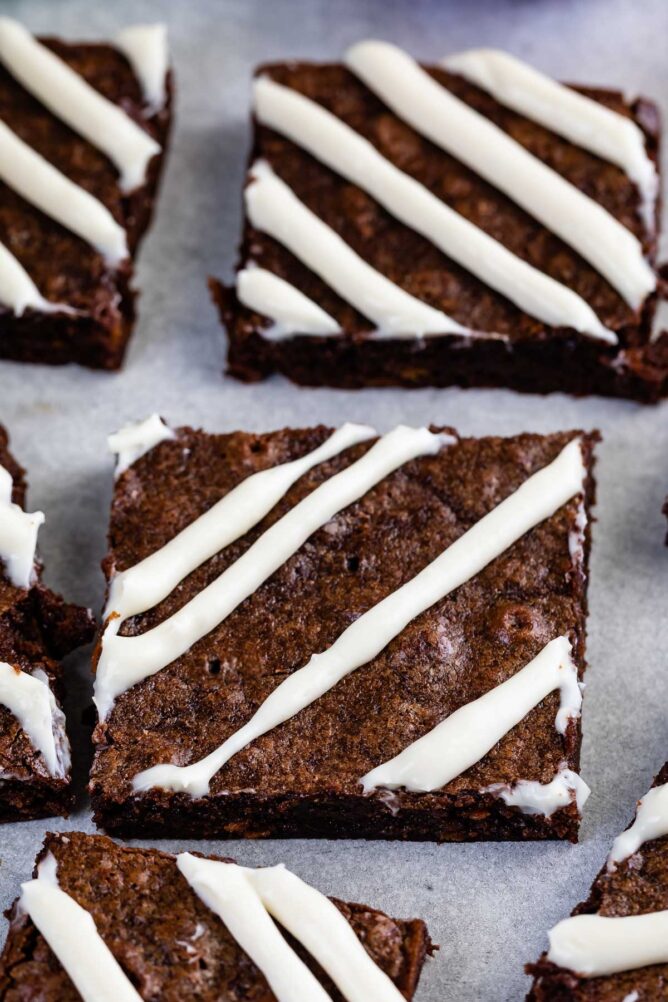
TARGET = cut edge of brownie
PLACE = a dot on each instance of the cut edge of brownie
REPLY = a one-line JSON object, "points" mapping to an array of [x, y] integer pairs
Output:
{"points": [[466, 815], [23, 945]]}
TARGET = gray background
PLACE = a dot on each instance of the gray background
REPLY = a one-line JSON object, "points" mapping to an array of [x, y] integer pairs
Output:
{"points": [[488, 906]]}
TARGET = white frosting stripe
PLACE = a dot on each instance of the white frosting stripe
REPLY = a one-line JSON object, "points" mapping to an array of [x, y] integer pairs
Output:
{"points": [[532, 797], [651, 821], [595, 945], [72, 935], [18, 536], [135, 440], [582, 121], [274, 208], [228, 891], [36, 180], [75, 102], [245, 898], [291, 311], [145, 48], [124, 661], [535, 500], [18, 292], [342, 149], [469, 733], [450, 123], [31, 701]]}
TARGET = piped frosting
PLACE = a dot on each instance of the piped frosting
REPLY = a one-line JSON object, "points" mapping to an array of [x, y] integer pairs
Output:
{"points": [[30, 700], [135, 440], [651, 821], [18, 536], [145, 48], [594, 946], [291, 311]]}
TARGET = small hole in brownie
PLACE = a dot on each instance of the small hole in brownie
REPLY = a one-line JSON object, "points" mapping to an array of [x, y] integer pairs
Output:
{"points": [[202, 964], [353, 562], [256, 447], [213, 666]]}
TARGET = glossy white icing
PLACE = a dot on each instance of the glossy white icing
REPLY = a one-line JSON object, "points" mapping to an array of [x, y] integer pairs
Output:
{"points": [[532, 797], [468, 734], [145, 48], [464, 133], [30, 700], [578, 118], [651, 821], [72, 934], [535, 500], [68, 96], [291, 311], [41, 184], [247, 900], [596, 945], [18, 536], [275, 209], [124, 661], [348, 153], [135, 440], [18, 292]]}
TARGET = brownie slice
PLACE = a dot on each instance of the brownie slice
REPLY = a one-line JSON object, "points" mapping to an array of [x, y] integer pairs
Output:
{"points": [[36, 629], [529, 356], [637, 885], [302, 778], [167, 941], [64, 267]]}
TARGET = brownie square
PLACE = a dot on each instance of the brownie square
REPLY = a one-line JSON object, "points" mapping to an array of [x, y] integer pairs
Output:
{"points": [[37, 629], [302, 779], [65, 268], [529, 355], [166, 940], [637, 885]]}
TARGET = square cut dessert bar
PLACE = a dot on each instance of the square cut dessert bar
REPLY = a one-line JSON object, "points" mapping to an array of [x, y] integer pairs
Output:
{"points": [[36, 629], [83, 131], [615, 944], [333, 634], [472, 223], [184, 927]]}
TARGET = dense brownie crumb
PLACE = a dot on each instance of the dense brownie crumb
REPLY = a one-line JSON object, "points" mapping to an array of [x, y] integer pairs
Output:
{"points": [[36, 629], [531, 357], [64, 267], [638, 885], [302, 778], [169, 944]]}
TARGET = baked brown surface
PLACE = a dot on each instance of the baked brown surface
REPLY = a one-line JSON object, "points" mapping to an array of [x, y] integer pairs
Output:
{"points": [[63, 266], [36, 629], [638, 885], [302, 778], [533, 358], [147, 914]]}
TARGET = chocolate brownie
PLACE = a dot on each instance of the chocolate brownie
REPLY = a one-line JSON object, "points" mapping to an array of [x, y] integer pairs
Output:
{"points": [[302, 778], [167, 942], [36, 629], [637, 885], [526, 354], [65, 268]]}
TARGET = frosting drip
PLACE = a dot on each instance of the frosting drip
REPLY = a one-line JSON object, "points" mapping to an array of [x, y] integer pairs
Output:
{"points": [[651, 821], [30, 700], [18, 536], [135, 440]]}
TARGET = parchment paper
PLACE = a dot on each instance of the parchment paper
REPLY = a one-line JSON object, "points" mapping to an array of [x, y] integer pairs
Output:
{"points": [[488, 905]]}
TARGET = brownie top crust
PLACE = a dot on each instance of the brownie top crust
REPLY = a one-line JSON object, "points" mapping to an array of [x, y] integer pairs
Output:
{"points": [[166, 940], [460, 648], [409, 259]]}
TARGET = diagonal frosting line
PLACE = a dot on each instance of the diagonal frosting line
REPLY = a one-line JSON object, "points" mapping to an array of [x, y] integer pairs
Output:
{"points": [[31, 701], [135, 440], [228, 891], [145, 48], [535, 500], [562, 110], [18, 536], [67, 95], [310, 917], [594, 946], [275, 209], [71, 933], [291, 311], [651, 821], [345, 151], [124, 661], [470, 137], [468, 734], [41, 184], [18, 292]]}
